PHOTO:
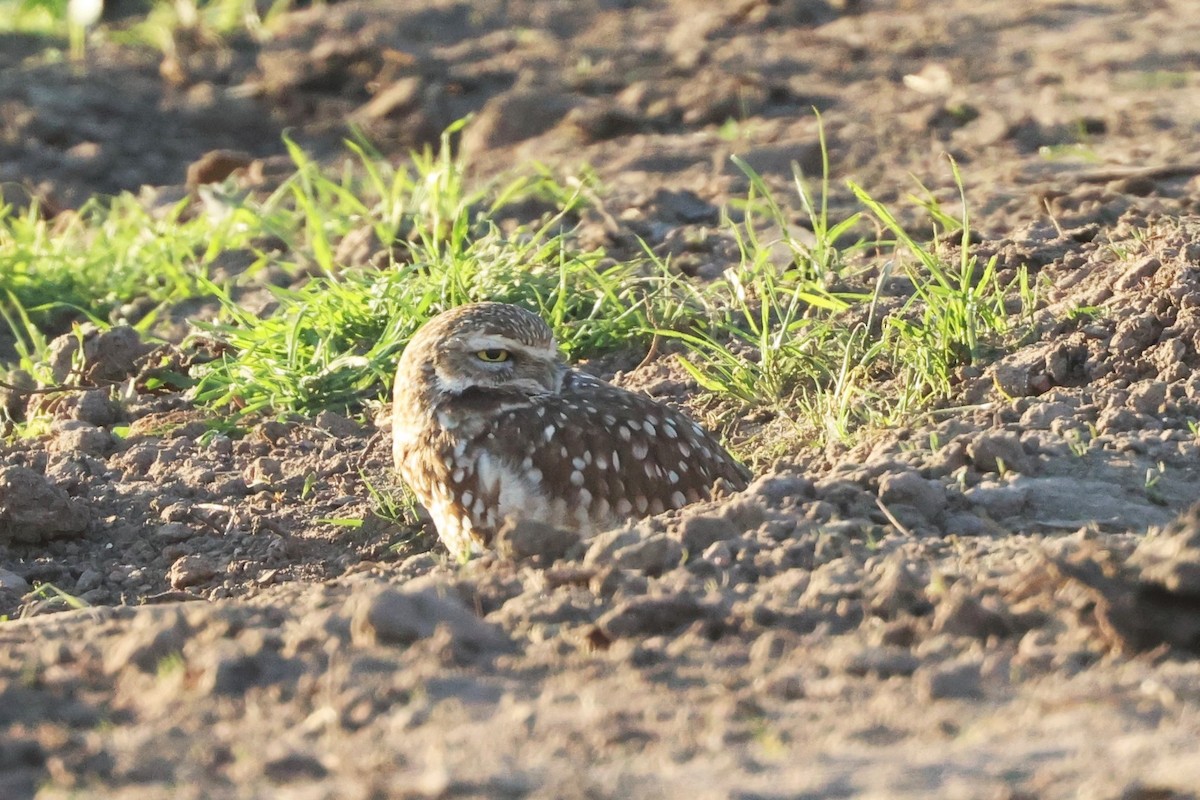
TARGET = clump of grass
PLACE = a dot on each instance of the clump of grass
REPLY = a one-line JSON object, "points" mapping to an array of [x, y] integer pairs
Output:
{"points": [[816, 341], [334, 341], [92, 262], [810, 329]]}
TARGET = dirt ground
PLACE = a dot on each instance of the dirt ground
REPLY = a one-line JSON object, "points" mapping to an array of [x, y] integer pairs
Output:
{"points": [[1000, 601]]}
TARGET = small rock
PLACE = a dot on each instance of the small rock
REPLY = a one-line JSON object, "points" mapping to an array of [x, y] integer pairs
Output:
{"points": [[1135, 334], [1138, 272], [961, 614], [215, 166], [1138, 185], [340, 426], [401, 617], [719, 554], [898, 589], [653, 556], [1171, 558], [521, 539], [231, 668], [950, 681], [107, 356], [685, 207], [89, 579], [401, 96], [998, 501], [717, 96], [603, 546], [1148, 397], [698, 532], [514, 116], [294, 767], [964, 523], [773, 645], [779, 159], [190, 571], [358, 247], [777, 490], [909, 488], [744, 513], [948, 459], [1040, 416], [173, 533], [12, 582], [1117, 420], [881, 661], [652, 616], [32, 510], [75, 436], [684, 42], [602, 119], [96, 407], [273, 431], [262, 472], [995, 451], [1018, 375]]}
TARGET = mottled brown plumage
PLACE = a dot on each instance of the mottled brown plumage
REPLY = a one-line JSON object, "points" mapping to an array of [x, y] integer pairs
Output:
{"points": [[489, 424]]}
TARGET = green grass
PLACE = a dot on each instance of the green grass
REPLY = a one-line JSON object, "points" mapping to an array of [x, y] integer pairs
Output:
{"points": [[816, 342], [809, 330], [335, 339]]}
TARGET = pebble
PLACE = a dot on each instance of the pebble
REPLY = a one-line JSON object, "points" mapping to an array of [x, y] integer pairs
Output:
{"points": [[897, 588], [1018, 375], [89, 579], [189, 571], [962, 614], [513, 116], [95, 408], [883, 661], [13, 582], [652, 616], [107, 356], [699, 531], [294, 767], [75, 436], [1148, 397], [528, 539], [950, 681], [33, 510], [340, 426], [653, 555], [996, 450], [1040, 416], [401, 617], [173, 533], [777, 490], [909, 488], [603, 546], [964, 523], [262, 473], [215, 166], [998, 500]]}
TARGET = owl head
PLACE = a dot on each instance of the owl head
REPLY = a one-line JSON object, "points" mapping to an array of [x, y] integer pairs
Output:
{"points": [[482, 350]]}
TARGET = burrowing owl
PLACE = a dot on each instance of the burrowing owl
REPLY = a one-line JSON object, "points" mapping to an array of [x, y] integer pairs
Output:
{"points": [[489, 424]]}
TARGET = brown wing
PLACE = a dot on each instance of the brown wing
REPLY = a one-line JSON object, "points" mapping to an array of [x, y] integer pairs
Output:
{"points": [[615, 453]]}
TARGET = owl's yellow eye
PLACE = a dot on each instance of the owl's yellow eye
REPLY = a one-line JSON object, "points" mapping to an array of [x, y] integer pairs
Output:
{"points": [[494, 356]]}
